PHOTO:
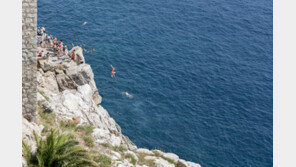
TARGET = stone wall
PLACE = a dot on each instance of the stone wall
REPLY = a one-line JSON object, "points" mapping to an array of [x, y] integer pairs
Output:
{"points": [[29, 59]]}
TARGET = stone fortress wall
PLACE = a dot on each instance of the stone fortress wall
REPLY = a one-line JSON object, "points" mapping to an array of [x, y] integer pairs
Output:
{"points": [[29, 59]]}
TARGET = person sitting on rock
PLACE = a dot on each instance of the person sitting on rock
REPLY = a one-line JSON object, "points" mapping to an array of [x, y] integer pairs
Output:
{"points": [[59, 53], [64, 49], [47, 56], [73, 55], [40, 53], [54, 48], [38, 42], [43, 39], [42, 30], [39, 32], [48, 40]]}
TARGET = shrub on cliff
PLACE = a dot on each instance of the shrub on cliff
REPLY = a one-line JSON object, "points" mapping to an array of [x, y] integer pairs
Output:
{"points": [[57, 151], [103, 160], [132, 157]]}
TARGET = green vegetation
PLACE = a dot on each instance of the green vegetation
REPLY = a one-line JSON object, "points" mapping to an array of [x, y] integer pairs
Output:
{"points": [[132, 157], [170, 161], [119, 149], [67, 125], [89, 141], [43, 94], [106, 145], [61, 67], [46, 119], [71, 135], [103, 160], [88, 129], [157, 154], [57, 150], [142, 161]]}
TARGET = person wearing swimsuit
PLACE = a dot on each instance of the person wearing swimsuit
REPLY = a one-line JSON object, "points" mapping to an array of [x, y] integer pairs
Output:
{"points": [[113, 71], [64, 49], [40, 54], [73, 55]]}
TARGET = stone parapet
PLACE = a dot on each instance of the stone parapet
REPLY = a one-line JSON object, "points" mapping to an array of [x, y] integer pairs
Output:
{"points": [[29, 59]]}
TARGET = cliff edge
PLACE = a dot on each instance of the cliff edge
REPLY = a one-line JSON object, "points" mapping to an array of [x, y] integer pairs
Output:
{"points": [[69, 100]]}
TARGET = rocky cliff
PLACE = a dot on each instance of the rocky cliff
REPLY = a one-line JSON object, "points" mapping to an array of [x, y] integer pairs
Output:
{"points": [[67, 95]]}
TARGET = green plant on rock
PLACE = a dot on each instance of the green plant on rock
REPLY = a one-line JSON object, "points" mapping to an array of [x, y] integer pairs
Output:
{"points": [[47, 119], [143, 161], [119, 148], [43, 94], [157, 154], [88, 129], [106, 145], [103, 160], [68, 125], [89, 141], [57, 151], [132, 157]]}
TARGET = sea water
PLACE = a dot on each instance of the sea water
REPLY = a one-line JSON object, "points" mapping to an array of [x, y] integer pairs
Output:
{"points": [[199, 71]]}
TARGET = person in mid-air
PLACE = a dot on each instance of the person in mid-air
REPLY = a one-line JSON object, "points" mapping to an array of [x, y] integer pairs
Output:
{"points": [[113, 71]]}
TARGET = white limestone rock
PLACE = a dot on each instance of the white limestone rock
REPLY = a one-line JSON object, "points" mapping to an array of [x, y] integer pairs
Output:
{"points": [[159, 162], [104, 136], [192, 164], [50, 83], [159, 152], [183, 163], [171, 156], [132, 153], [116, 154], [144, 151], [47, 65], [24, 162], [27, 132], [47, 107], [150, 157], [65, 82], [40, 97]]}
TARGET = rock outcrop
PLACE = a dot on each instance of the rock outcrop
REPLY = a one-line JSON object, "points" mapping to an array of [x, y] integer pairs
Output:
{"points": [[68, 90]]}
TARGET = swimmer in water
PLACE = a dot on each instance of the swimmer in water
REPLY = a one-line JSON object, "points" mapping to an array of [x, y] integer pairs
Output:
{"points": [[82, 44], [127, 94], [93, 49], [113, 71], [90, 51], [84, 50], [72, 44]]}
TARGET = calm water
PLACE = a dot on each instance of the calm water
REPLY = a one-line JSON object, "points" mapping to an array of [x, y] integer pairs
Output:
{"points": [[200, 72]]}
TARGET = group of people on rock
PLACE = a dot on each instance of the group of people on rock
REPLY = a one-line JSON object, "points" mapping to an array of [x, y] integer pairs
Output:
{"points": [[57, 46]]}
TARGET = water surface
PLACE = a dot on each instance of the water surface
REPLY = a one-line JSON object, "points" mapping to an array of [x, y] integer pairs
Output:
{"points": [[200, 72]]}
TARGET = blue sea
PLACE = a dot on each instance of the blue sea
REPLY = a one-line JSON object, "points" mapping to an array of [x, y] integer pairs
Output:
{"points": [[200, 72]]}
